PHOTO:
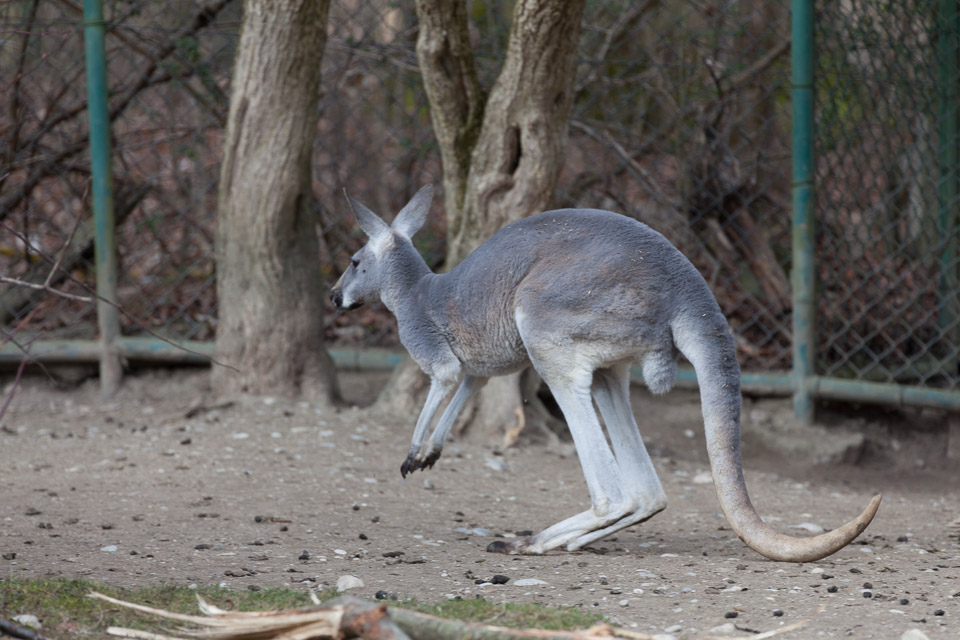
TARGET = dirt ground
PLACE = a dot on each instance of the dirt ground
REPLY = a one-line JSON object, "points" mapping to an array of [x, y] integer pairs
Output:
{"points": [[161, 485]]}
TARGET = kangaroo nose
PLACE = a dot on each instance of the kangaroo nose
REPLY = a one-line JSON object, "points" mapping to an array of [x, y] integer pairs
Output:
{"points": [[337, 297]]}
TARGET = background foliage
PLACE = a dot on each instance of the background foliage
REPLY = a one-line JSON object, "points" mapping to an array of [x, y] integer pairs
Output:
{"points": [[682, 120]]}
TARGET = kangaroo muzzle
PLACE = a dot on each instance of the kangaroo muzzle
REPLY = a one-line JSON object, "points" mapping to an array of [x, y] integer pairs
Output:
{"points": [[336, 296]]}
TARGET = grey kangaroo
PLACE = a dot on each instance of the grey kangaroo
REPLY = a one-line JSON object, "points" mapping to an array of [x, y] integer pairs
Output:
{"points": [[579, 294]]}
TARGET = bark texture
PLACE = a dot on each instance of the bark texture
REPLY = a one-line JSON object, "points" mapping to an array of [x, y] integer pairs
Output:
{"points": [[268, 271], [507, 169], [502, 154]]}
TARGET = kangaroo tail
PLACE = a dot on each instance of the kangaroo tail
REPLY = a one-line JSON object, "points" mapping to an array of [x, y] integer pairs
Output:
{"points": [[705, 340]]}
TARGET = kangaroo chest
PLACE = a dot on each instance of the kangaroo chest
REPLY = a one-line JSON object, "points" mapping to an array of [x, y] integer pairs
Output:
{"points": [[484, 338]]}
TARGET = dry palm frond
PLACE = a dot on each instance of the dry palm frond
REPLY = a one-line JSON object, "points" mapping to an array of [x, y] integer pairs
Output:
{"points": [[217, 624]]}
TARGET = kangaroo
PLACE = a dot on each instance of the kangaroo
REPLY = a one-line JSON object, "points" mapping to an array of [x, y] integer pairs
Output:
{"points": [[579, 294]]}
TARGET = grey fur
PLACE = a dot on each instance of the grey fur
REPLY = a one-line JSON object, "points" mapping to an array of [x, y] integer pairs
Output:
{"points": [[579, 294]]}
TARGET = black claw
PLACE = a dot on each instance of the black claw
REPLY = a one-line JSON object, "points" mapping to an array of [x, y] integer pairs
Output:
{"points": [[410, 465], [499, 546], [431, 459]]}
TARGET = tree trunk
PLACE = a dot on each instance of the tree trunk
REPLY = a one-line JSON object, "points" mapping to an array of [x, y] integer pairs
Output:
{"points": [[268, 271], [517, 159], [501, 155]]}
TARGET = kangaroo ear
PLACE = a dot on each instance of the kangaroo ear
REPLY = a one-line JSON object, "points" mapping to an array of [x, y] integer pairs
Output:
{"points": [[412, 216], [369, 222]]}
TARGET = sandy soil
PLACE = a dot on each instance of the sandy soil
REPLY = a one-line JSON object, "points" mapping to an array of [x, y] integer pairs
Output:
{"points": [[161, 486]]}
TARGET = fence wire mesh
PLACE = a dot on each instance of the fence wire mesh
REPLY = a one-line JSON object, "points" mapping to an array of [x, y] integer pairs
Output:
{"points": [[887, 199], [682, 119]]}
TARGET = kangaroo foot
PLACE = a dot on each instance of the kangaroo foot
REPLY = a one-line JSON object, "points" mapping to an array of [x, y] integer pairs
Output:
{"points": [[514, 547], [416, 461]]}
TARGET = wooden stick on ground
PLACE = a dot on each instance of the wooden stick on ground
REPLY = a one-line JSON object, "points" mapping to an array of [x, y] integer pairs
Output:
{"points": [[351, 617]]}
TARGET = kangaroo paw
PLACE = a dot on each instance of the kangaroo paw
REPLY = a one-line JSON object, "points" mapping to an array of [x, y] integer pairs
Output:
{"points": [[431, 459], [499, 546], [409, 465], [416, 461], [514, 547]]}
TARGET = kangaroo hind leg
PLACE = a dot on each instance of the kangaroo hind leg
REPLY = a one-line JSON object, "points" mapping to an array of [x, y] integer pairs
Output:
{"points": [[571, 389], [641, 486]]}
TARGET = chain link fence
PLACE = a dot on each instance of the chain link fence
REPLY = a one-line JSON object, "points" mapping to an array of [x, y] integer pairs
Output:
{"points": [[888, 238], [682, 120]]}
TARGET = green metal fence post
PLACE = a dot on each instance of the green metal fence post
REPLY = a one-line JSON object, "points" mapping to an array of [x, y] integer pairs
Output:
{"points": [[948, 29], [102, 191], [804, 274]]}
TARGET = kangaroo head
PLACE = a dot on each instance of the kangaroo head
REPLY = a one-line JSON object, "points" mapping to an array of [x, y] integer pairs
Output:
{"points": [[365, 278]]}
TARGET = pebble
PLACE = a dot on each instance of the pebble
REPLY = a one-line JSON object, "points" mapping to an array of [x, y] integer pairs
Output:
{"points": [[673, 629], [939, 612], [500, 579], [528, 582], [109, 547], [428, 485], [730, 614], [809, 526], [833, 588], [704, 477], [914, 634], [304, 556], [348, 582], [777, 613], [726, 627], [495, 464], [624, 602], [381, 595]]}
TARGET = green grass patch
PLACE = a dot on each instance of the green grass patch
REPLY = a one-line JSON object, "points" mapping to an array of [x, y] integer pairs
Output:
{"points": [[508, 614], [64, 607], [65, 610]]}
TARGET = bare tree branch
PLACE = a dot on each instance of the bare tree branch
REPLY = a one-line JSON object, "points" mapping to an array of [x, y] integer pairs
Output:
{"points": [[16, 380], [95, 297], [629, 16], [50, 165]]}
